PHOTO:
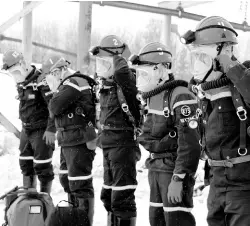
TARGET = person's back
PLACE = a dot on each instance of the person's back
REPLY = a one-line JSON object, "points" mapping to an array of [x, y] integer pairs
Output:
{"points": [[38, 129], [73, 108]]}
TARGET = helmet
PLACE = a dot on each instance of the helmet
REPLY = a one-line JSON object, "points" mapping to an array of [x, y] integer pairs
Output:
{"points": [[109, 46], [153, 53], [10, 58], [211, 30], [53, 62]]}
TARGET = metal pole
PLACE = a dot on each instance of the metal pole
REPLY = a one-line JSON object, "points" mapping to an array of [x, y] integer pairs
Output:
{"points": [[163, 11], [2, 38], [166, 31], [27, 35], [84, 36]]}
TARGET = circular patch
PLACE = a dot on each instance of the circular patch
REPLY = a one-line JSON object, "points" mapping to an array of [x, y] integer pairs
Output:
{"points": [[185, 110]]}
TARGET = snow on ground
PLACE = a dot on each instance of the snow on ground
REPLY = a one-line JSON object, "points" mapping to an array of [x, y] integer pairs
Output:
{"points": [[11, 176]]}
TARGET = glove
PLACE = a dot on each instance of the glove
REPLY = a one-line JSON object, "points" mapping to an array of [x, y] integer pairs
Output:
{"points": [[119, 63], [223, 63], [175, 192], [49, 137]]}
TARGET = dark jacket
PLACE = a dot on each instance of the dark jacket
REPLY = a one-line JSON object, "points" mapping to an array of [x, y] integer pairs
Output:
{"points": [[170, 133], [34, 95], [222, 131], [73, 107], [118, 130]]}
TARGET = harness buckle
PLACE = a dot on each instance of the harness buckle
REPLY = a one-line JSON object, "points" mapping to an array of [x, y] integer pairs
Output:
{"points": [[125, 107], [172, 134], [166, 112], [228, 164], [241, 113], [70, 115], [152, 155], [200, 142], [34, 86], [198, 112], [242, 151], [90, 124]]}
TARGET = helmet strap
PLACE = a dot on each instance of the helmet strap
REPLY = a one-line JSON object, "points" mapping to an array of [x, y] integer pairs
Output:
{"points": [[208, 73], [107, 49], [156, 51], [220, 47]]}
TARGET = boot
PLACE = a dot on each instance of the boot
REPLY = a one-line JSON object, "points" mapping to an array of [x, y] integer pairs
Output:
{"points": [[29, 181], [88, 206], [112, 221], [46, 187], [126, 222], [72, 200]]}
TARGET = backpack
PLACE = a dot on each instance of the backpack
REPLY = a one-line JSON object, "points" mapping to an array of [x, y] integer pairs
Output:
{"points": [[27, 207], [68, 216]]}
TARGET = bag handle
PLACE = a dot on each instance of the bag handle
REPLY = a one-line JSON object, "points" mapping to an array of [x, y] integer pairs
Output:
{"points": [[73, 204], [16, 188]]}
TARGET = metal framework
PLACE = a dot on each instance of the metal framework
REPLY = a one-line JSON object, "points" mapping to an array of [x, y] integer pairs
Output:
{"points": [[29, 8], [164, 11]]}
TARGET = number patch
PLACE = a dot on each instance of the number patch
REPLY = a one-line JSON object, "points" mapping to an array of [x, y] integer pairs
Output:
{"points": [[115, 42], [160, 49]]}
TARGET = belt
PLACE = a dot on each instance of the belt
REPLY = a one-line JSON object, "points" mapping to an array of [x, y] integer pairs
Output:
{"points": [[160, 155], [229, 162], [60, 129], [34, 124], [103, 127]]}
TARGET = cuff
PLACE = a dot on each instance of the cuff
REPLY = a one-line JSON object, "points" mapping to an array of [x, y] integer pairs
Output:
{"points": [[182, 175]]}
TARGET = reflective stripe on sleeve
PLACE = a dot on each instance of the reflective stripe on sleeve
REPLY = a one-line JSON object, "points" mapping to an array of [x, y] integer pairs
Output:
{"points": [[155, 204], [120, 188], [26, 157], [178, 208], [63, 171], [80, 178], [42, 161]]}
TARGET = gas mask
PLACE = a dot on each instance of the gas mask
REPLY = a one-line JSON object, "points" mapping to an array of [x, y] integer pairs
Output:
{"points": [[104, 67], [54, 79], [148, 77], [18, 72], [202, 60]]}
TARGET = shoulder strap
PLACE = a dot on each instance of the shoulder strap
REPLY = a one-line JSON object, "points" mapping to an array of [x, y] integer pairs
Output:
{"points": [[124, 105], [242, 115], [166, 100]]}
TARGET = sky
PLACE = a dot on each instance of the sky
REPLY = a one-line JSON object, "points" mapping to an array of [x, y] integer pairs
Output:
{"points": [[105, 17]]}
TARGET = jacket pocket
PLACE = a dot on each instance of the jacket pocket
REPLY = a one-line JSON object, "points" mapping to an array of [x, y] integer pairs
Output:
{"points": [[239, 173], [228, 119]]}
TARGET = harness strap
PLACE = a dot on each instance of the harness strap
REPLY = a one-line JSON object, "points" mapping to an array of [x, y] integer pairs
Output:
{"points": [[229, 162], [124, 105], [242, 114]]}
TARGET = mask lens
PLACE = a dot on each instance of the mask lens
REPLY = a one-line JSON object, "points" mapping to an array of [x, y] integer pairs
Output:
{"points": [[55, 72], [200, 62], [103, 64]]}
